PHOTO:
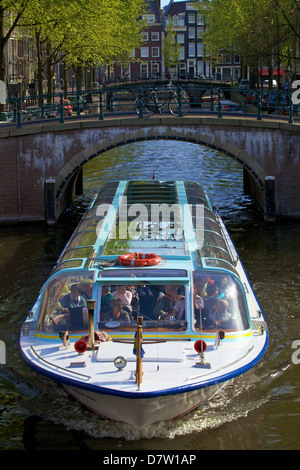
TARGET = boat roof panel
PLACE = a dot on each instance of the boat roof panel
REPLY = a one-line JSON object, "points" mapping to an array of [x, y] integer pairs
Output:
{"points": [[201, 232]]}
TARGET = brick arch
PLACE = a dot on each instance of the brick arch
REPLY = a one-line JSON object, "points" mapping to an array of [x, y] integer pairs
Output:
{"points": [[70, 171]]}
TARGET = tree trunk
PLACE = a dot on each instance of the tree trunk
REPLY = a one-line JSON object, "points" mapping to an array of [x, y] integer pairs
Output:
{"points": [[39, 63], [2, 55]]}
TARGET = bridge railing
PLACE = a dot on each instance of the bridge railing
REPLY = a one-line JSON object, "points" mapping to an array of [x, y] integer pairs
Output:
{"points": [[144, 100]]}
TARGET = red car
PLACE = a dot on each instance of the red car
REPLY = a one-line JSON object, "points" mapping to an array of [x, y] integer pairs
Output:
{"points": [[68, 107]]}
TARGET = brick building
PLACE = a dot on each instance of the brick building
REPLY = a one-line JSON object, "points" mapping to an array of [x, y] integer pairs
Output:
{"points": [[149, 60], [188, 27]]}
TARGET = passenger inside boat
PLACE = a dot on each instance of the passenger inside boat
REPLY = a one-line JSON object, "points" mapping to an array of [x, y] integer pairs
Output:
{"points": [[218, 303], [64, 303]]}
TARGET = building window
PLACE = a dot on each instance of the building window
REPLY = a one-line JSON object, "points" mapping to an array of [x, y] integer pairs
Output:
{"points": [[180, 38], [149, 18], [200, 32], [144, 36], [191, 49], [144, 51], [155, 36], [155, 51], [199, 19], [155, 68], [144, 70], [181, 53], [191, 18], [192, 33], [199, 49]]}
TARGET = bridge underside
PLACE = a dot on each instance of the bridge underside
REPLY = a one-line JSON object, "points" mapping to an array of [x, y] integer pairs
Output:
{"points": [[253, 174]]}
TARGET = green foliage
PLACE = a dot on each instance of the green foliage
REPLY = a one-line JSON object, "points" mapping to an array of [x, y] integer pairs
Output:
{"points": [[81, 32], [260, 30], [170, 49]]}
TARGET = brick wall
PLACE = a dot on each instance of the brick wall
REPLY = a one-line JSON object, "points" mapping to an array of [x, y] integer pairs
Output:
{"points": [[30, 155]]}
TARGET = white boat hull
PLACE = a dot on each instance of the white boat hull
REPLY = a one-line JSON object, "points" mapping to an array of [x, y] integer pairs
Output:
{"points": [[141, 412]]}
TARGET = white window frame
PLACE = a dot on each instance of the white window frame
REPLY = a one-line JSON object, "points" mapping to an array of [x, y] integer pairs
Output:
{"points": [[181, 53], [155, 68], [192, 33], [192, 49], [180, 38], [153, 50], [200, 49], [145, 51], [144, 69], [155, 36]]}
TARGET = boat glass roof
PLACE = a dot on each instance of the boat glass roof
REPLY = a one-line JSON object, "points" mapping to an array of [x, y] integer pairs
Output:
{"points": [[211, 247]]}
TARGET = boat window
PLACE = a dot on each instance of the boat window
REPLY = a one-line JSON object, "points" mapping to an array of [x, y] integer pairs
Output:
{"points": [[76, 263], [90, 224], [162, 307], [218, 303], [64, 305], [80, 252], [84, 238]]}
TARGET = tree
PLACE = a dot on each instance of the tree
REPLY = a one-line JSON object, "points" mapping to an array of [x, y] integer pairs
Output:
{"points": [[262, 32], [77, 31], [11, 12], [171, 48]]}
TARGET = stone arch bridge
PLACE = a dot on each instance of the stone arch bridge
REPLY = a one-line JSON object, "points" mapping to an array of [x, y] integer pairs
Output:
{"points": [[41, 163]]}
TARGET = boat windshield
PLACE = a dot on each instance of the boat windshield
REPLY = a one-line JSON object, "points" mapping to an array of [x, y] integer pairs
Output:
{"points": [[163, 307], [218, 302], [64, 305]]}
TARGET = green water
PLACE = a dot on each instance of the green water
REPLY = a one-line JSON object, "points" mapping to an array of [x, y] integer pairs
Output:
{"points": [[259, 410]]}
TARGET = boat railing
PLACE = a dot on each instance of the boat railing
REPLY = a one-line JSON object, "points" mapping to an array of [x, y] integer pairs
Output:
{"points": [[69, 371]]}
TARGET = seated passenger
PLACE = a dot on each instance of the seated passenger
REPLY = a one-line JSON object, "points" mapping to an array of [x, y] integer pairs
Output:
{"points": [[73, 299], [166, 302], [135, 301], [73, 308], [224, 288], [116, 313], [106, 297], [125, 296], [86, 287], [178, 311], [210, 301], [200, 285], [146, 301], [221, 318]]}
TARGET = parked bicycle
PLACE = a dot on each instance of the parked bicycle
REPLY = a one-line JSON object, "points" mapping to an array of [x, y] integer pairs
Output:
{"points": [[154, 101]]}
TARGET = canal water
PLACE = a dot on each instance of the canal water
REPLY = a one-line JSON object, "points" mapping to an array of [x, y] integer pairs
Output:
{"points": [[259, 410]]}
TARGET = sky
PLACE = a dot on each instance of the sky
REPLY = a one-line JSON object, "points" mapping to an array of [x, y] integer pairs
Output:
{"points": [[165, 2]]}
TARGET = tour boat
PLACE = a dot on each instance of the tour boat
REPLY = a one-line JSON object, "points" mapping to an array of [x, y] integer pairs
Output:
{"points": [[148, 312]]}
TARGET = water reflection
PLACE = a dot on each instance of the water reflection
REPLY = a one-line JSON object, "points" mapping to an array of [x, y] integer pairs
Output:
{"points": [[249, 412]]}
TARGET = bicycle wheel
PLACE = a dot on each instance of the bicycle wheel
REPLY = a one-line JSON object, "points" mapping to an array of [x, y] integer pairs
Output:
{"points": [[147, 106], [185, 104]]}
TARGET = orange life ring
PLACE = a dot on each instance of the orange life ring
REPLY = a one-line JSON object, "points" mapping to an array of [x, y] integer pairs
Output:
{"points": [[139, 259]]}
